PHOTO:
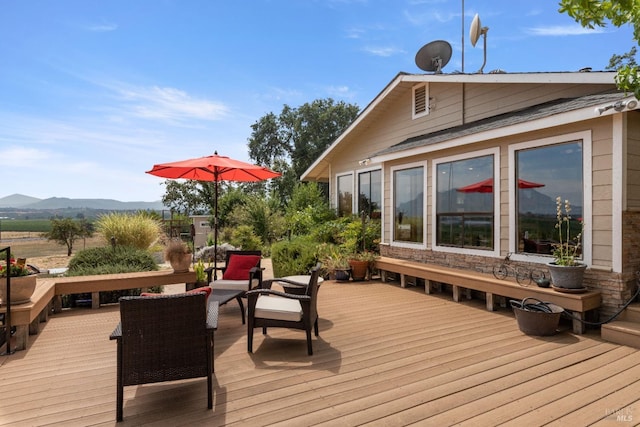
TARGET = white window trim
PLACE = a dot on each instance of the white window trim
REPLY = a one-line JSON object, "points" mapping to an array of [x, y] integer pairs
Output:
{"points": [[337, 193], [587, 214], [496, 202], [413, 101], [392, 242]]}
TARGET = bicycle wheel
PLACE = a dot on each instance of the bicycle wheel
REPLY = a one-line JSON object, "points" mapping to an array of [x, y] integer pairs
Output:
{"points": [[500, 271], [523, 276]]}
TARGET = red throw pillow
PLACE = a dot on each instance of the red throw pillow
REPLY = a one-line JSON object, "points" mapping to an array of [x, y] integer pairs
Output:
{"points": [[206, 289], [239, 267]]}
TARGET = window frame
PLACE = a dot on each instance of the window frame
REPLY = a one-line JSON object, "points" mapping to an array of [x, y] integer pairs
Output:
{"points": [[587, 213], [357, 185], [495, 152], [392, 170], [336, 198]]}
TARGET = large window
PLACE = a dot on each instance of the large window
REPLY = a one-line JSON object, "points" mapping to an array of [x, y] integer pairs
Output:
{"points": [[543, 174], [345, 195], [408, 204], [370, 193], [465, 203]]}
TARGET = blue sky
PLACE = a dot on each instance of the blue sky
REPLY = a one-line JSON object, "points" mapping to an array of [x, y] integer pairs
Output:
{"points": [[93, 93]]}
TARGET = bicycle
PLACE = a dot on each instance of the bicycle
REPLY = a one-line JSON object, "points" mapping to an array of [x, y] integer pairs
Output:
{"points": [[523, 275]]}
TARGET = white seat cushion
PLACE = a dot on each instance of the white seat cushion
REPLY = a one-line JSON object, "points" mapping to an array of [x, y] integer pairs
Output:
{"points": [[238, 285], [278, 308]]}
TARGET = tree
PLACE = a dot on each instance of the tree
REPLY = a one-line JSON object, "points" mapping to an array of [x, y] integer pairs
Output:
{"points": [[291, 142], [591, 13], [66, 231]]}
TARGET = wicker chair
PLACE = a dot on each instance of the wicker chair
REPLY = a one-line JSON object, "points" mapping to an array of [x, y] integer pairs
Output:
{"points": [[164, 338], [296, 309], [253, 272]]}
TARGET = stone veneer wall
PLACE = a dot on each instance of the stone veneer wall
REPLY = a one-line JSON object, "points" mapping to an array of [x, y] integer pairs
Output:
{"points": [[616, 288]]}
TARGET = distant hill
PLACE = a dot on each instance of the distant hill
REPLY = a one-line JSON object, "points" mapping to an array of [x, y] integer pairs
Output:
{"points": [[17, 201], [27, 202]]}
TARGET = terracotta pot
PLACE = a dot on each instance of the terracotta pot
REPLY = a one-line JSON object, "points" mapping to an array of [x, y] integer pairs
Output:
{"points": [[22, 288], [181, 265], [567, 277], [359, 269]]}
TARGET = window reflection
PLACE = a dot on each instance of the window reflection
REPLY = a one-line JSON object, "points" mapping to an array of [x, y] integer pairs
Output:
{"points": [[556, 170], [370, 193], [465, 203], [408, 196], [345, 195]]}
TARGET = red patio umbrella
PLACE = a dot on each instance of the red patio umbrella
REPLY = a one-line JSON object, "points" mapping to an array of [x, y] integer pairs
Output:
{"points": [[213, 168], [486, 186]]}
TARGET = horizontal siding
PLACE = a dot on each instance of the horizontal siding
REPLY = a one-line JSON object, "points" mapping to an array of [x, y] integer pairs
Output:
{"points": [[633, 160]]}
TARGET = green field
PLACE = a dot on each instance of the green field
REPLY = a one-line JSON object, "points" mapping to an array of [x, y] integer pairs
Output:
{"points": [[34, 225]]}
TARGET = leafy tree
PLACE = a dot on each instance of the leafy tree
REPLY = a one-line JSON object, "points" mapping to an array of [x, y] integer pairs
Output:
{"points": [[66, 231], [591, 13], [189, 197], [291, 142]]}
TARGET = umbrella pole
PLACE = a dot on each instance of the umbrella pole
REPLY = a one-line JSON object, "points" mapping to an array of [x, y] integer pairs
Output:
{"points": [[215, 230]]}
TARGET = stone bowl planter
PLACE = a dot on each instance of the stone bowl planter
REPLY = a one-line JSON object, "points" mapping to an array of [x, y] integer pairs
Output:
{"points": [[22, 287], [567, 277]]}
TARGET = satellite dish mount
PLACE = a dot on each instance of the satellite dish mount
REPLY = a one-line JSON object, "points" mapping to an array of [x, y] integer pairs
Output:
{"points": [[475, 32], [434, 56]]}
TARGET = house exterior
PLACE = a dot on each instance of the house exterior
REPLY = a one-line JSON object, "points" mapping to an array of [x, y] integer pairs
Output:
{"points": [[463, 169]]}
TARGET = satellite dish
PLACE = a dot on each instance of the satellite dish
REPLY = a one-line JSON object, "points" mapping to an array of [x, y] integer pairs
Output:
{"points": [[433, 56], [475, 32]]}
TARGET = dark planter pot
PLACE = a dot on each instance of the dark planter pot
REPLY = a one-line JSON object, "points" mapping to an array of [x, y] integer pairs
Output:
{"points": [[567, 277], [342, 275]]}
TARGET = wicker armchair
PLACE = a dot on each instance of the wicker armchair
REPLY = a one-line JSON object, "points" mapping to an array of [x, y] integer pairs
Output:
{"points": [[296, 309], [164, 338], [248, 276]]}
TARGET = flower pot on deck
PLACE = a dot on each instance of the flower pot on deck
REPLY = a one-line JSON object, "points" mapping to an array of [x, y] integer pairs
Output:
{"points": [[359, 269]]}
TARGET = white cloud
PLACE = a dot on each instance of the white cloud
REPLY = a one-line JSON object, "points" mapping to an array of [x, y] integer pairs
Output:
{"points": [[562, 30], [382, 51], [102, 28], [166, 103]]}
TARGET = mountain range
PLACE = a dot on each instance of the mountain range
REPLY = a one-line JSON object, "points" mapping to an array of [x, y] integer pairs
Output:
{"points": [[20, 201]]}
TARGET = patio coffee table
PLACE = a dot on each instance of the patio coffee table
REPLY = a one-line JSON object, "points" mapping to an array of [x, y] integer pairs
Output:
{"points": [[223, 296]]}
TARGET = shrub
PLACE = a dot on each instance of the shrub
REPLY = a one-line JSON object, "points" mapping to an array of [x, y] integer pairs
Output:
{"points": [[293, 257], [139, 230], [107, 260], [244, 237]]}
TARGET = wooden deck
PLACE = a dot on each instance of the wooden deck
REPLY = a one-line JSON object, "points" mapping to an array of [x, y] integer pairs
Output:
{"points": [[386, 356]]}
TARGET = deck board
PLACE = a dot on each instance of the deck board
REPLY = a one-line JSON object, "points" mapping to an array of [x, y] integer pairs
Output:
{"points": [[385, 356]]}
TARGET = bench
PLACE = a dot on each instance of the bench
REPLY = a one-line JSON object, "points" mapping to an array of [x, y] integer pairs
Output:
{"points": [[578, 304], [48, 295]]}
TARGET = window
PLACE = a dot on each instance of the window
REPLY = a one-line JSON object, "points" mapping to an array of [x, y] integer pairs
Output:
{"points": [[544, 173], [345, 195], [420, 101], [465, 202], [408, 204], [370, 193]]}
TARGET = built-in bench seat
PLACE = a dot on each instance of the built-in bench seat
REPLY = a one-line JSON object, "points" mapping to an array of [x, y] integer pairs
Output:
{"points": [[48, 295], [578, 304]]}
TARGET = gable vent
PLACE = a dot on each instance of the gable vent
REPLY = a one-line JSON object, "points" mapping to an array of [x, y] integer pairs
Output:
{"points": [[420, 101]]}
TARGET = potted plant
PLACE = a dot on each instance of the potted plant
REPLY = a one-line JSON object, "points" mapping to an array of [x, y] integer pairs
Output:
{"points": [[362, 264], [23, 282], [566, 270], [178, 254], [337, 265], [201, 274]]}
